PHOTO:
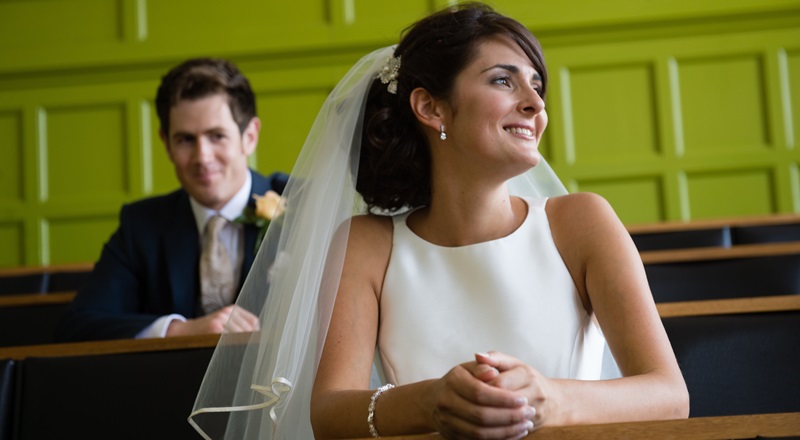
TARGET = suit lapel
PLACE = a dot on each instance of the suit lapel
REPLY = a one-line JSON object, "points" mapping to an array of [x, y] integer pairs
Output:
{"points": [[182, 250], [250, 233]]}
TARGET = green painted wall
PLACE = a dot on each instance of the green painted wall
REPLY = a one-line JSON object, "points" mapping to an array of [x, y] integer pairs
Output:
{"points": [[671, 110]]}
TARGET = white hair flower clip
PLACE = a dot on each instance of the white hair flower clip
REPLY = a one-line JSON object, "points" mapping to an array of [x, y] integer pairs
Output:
{"points": [[389, 74]]}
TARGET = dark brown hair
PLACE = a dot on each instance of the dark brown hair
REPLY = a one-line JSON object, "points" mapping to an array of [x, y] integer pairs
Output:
{"points": [[394, 168], [202, 77]]}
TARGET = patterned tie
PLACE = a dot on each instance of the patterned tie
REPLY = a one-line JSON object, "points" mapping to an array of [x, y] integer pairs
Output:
{"points": [[216, 270]]}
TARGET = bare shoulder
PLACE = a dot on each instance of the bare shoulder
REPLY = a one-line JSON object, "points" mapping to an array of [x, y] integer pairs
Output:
{"points": [[581, 214], [592, 241], [369, 247], [578, 205], [369, 228], [585, 226]]}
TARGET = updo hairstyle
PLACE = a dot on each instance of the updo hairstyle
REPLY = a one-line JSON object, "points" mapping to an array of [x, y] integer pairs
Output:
{"points": [[394, 169]]}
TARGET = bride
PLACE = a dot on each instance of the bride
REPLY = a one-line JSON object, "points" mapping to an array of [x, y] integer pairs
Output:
{"points": [[478, 291]]}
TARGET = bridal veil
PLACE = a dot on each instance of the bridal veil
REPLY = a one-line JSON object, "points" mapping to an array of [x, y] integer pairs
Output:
{"points": [[259, 385]]}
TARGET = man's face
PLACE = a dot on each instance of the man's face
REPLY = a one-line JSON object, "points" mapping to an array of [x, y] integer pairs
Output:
{"points": [[207, 149]]}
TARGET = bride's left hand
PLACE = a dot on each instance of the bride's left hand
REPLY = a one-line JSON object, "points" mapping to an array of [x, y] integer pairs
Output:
{"points": [[543, 394]]}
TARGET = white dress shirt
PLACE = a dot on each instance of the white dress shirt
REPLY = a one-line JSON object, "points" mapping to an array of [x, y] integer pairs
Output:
{"points": [[232, 237]]}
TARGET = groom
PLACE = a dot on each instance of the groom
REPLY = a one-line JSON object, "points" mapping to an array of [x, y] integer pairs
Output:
{"points": [[167, 271]]}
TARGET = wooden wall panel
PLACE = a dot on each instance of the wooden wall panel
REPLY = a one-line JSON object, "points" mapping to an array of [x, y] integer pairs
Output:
{"points": [[639, 199], [159, 171], [243, 23], [614, 113], [66, 238], [723, 105], [677, 107], [671, 110], [288, 99], [382, 21], [286, 118], [76, 154], [85, 149], [791, 94], [60, 22], [570, 14], [11, 237], [11, 153], [733, 192]]}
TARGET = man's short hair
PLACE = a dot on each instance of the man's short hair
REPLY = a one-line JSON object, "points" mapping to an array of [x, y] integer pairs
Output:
{"points": [[202, 77]]}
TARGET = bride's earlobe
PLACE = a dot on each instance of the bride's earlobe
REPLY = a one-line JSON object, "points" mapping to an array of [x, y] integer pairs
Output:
{"points": [[426, 108]]}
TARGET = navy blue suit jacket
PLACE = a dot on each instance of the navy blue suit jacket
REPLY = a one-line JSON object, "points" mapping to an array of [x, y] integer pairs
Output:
{"points": [[149, 268]]}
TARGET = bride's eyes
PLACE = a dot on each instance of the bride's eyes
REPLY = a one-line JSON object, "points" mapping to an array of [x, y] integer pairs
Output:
{"points": [[503, 81], [506, 81]]}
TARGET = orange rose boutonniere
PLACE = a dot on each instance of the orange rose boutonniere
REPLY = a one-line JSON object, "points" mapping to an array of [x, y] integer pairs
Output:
{"points": [[268, 207]]}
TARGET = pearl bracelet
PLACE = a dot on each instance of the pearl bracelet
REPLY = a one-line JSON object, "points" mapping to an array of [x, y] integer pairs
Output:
{"points": [[371, 411]]}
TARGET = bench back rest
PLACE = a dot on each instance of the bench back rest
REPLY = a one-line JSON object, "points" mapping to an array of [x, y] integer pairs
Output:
{"points": [[739, 364]]}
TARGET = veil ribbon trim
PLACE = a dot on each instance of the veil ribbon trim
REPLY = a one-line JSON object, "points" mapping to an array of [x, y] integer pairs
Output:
{"points": [[279, 387]]}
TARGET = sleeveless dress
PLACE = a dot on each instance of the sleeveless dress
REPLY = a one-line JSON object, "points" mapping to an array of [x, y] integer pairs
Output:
{"points": [[441, 305]]}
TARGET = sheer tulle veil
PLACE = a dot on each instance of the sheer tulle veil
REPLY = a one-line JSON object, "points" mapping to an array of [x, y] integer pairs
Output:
{"points": [[259, 385]]}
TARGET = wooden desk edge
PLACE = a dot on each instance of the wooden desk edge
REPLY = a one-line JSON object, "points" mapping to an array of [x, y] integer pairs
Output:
{"points": [[54, 268], [111, 346], [36, 299], [761, 304], [690, 225], [699, 428], [720, 253]]}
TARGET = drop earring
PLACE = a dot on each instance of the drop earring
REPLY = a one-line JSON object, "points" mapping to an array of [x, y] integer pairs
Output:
{"points": [[442, 134]]}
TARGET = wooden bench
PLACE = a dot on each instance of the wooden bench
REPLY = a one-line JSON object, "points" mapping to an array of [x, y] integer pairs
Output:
{"points": [[125, 389], [716, 273], [739, 363], [42, 279], [723, 232], [30, 319], [737, 355], [698, 224], [7, 375], [123, 377]]}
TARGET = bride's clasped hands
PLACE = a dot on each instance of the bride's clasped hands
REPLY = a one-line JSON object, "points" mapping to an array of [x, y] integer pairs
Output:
{"points": [[488, 398]]}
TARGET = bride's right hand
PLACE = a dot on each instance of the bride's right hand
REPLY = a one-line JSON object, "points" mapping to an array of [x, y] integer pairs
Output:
{"points": [[464, 406]]}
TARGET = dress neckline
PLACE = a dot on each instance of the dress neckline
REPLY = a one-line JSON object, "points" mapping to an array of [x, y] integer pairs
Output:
{"points": [[402, 219]]}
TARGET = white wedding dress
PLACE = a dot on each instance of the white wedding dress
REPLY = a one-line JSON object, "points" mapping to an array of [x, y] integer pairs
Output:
{"points": [[441, 305], [261, 388]]}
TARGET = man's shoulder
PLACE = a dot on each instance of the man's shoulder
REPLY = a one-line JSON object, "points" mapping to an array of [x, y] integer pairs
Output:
{"points": [[275, 181]]}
